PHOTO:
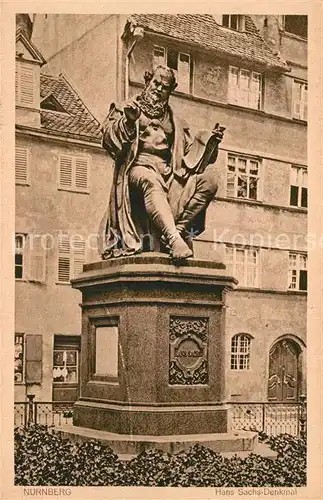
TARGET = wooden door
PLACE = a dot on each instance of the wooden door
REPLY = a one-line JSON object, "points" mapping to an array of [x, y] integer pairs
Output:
{"points": [[284, 371]]}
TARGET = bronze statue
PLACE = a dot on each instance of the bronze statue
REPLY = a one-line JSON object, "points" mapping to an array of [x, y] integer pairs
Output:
{"points": [[163, 181]]}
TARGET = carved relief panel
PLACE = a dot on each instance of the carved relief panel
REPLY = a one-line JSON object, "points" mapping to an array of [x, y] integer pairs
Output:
{"points": [[188, 355]]}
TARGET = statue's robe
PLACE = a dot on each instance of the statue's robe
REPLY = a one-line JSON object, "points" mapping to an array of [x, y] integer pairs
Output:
{"points": [[119, 233]]}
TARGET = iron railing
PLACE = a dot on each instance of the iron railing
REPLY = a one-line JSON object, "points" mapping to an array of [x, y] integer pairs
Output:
{"points": [[47, 413], [272, 418], [269, 417]]}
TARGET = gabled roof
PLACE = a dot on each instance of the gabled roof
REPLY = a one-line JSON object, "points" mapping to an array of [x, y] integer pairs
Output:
{"points": [[77, 120], [30, 47], [202, 30]]}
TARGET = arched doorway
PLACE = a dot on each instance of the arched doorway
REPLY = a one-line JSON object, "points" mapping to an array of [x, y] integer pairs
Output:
{"points": [[285, 371]]}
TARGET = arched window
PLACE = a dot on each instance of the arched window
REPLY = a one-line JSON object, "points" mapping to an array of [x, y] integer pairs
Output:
{"points": [[240, 352]]}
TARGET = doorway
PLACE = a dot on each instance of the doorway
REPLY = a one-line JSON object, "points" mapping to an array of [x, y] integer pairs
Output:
{"points": [[284, 371]]}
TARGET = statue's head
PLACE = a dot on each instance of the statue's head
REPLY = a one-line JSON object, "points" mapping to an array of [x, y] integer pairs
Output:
{"points": [[160, 83]]}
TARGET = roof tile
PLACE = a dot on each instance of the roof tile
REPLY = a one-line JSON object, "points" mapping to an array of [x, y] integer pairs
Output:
{"points": [[203, 30]]}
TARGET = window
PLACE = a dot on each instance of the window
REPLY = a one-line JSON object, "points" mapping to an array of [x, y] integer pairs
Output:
{"points": [[298, 186], [30, 258], [240, 352], [245, 87], [243, 177], [179, 62], [65, 366], [19, 358], [25, 85], [20, 240], [300, 100], [21, 165], [71, 256], [235, 22], [297, 279], [296, 25], [243, 264], [74, 173]]}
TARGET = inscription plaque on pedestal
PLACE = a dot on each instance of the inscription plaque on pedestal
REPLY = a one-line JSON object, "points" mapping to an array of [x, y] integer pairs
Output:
{"points": [[188, 363]]}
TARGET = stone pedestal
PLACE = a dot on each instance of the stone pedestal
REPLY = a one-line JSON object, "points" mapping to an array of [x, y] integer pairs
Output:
{"points": [[152, 355]]}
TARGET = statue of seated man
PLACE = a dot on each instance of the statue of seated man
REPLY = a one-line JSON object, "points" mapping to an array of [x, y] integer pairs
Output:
{"points": [[161, 175]]}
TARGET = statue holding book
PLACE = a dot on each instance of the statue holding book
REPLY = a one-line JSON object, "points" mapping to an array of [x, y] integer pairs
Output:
{"points": [[163, 180]]}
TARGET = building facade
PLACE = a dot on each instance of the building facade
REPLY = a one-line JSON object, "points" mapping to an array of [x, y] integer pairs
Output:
{"points": [[248, 73]]}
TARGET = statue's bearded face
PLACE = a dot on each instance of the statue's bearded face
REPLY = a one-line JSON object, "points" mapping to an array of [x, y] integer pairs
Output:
{"points": [[155, 95], [160, 86]]}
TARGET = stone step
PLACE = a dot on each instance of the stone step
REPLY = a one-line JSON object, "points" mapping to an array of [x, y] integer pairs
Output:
{"points": [[132, 445]]}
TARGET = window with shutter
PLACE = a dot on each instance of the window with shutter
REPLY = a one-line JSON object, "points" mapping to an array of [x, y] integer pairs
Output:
{"points": [[36, 259], [300, 100], [64, 259], [25, 84], [74, 173], [21, 165], [34, 357], [71, 257], [66, 171]]}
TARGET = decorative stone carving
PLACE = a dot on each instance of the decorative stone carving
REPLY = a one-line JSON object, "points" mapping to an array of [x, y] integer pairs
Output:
{"points": [[188, 364]]}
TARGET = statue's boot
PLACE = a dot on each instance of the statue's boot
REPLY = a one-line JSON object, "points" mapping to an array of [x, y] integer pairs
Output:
{"points": [[205, 192], [164, 221]]}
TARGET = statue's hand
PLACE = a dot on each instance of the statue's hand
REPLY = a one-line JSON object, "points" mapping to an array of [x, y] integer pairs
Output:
{"points": [[218, 132], [131, 111]]}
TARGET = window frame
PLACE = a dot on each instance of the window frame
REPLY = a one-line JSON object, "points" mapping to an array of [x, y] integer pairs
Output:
{"points": [[247, 266], [238, 102], [22, 343], [165, 50], [300, 185], [241, 22], [248, 160], [298, 268], [238, 355], [66, 349], [24, 255], [73, 158]]}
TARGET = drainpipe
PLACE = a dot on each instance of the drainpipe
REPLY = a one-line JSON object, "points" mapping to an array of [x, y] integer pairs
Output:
{"points": [[138, 34]]}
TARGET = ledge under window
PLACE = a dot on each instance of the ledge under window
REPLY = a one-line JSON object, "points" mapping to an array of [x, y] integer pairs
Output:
{"points": [[73, 190]]}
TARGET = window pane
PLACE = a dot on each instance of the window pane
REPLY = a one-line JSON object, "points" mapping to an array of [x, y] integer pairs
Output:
{"points": [[225, 20], [172, 57], [303, 280], [233, 76], [304, 198], [253, 188], [234, 22], [242, 186], [294, 196]]}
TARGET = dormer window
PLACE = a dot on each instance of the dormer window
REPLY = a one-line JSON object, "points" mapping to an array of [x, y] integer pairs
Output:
{"points": [[26, 89], [50, 103], [233, 21]]}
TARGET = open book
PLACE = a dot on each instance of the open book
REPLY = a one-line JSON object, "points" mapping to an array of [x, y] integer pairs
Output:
{"points": [[204, 149]]}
